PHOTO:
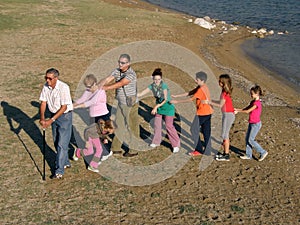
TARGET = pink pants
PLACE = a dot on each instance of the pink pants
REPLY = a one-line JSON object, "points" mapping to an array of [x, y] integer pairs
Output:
{"points": [[93, 142], [171, 131]]}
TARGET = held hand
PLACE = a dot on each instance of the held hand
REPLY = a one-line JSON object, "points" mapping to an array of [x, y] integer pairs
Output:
{"points": [[173, 101], [236, 111], [174, 96], [45, 123], [205, 102], [154, 111]]}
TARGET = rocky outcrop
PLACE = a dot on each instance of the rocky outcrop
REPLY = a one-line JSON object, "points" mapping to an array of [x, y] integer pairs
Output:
{"points": [[211, 24]]}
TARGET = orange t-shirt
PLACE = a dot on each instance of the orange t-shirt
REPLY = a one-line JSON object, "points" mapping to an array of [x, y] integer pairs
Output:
{"points": [[202, 94]]}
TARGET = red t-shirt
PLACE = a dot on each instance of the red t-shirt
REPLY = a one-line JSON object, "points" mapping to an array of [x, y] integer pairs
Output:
{"points": [[227, 107]]}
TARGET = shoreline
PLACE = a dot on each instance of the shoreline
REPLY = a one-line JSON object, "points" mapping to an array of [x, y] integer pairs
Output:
{"points": [[229, 57], [260, 34]]}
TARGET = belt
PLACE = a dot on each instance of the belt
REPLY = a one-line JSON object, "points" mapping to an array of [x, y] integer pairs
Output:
{"points": [[68, 112], [52, 114]]}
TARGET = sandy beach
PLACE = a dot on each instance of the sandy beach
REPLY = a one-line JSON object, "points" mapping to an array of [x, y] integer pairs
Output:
{"points": [[70, 36]]}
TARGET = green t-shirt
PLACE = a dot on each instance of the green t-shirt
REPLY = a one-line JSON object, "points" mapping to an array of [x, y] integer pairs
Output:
{"points": [[166, 109]]}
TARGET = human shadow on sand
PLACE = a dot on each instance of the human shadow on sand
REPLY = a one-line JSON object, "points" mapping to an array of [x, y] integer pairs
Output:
{"points": [[27, 124]]}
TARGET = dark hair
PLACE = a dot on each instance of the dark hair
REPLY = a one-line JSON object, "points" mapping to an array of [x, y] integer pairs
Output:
{"points": [[201, 76], [126, 56], [53, 71], [157, 72], [226, 81], [257, 90], [105, 125]]}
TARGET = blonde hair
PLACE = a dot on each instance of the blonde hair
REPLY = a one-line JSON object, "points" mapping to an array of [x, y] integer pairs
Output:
{"points": [[225, 80]]}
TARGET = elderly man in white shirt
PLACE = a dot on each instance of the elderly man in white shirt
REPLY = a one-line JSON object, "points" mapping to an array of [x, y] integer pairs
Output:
{"points": [[56, 95]]}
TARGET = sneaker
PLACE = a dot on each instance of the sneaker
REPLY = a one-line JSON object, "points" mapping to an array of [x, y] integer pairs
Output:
{"points": [[105, 157], [93, 169], [175, 149], [76, 154], [244, 157], [195, 153], [219, 154], [67, 166], [225, 157], [56, 176], [154, 145], [262, 157]]}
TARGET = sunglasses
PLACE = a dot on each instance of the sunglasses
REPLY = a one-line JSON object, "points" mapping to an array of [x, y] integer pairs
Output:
{"points": [[122, 63], [49, 78]]}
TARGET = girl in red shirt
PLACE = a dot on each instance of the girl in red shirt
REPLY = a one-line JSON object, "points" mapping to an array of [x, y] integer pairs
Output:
{"points": [[228, 116]]}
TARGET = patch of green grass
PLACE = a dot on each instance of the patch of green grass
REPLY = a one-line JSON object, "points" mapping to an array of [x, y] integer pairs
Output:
{"points": [[187, 208], [19, 14], [106, 178], [21, 1], [237, 208], [155, 195], [7, 22]]}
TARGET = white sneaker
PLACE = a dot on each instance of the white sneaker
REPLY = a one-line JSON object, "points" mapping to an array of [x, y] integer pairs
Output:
{"points": [[262, 157], [75, 158], [153, 145], [105, 157], [175, 149], [93, 169], [244, 157]]}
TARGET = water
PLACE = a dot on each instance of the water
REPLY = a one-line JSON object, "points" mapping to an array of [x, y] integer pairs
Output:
{"points": [[278, 53]]}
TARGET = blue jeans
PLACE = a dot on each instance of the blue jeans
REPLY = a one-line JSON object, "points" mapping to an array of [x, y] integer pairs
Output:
{"points": [[61, 132], [252, 131]]}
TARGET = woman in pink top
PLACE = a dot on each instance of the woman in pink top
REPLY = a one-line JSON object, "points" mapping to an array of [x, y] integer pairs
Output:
{"points": [[93, 98], [254, 109]]}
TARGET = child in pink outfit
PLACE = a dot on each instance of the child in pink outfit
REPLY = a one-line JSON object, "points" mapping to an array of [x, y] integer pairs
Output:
{"points": [[94, 99], [254, 110], [93, 134]]}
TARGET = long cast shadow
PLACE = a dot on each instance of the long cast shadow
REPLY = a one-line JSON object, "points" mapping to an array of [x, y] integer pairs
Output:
{"points": [[27, 124]]}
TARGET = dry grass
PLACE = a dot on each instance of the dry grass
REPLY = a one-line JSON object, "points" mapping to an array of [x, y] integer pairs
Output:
{"points": [[69, 35]]}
